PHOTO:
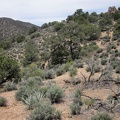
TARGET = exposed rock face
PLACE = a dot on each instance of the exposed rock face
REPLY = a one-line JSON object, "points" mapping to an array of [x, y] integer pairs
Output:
{"points": [[112, 9]]}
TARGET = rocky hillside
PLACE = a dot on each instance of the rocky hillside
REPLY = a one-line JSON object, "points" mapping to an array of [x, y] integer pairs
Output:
{"points": [[10, 28]]}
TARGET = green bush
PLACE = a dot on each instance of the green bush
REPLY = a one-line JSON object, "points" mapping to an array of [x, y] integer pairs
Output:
{"points": [[114, 38], [31, 71], [75, 108], [60, 71], [77, 103], [96, 68], [55, 94], [77, 96], [101, 116], [3, 101], [20, 38], [88, 102], [73, 71], [9, 86], [9, 69], [36, 99], [28, 87], [45, 112], [50, 74], [103, 61], [105, 54], [78, 63], [117, 69], [34, 35], [67, 66], [88, 69], [99, 50]]}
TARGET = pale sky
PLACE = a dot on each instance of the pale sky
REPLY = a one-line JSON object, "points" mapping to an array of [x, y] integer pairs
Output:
{"points": [[44, 11]]}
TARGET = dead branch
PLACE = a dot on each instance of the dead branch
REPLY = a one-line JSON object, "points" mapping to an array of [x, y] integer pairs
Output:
{"points": [[84, 77]]}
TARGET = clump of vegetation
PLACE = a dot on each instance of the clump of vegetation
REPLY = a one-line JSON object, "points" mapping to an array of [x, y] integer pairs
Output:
{"points": [[77, 103], [9, 69], [118, 69], [3, 101], [78, 63], [50, 74], [45, 112], [31, 71], [73, 71], [103, 61], [35, 100], [55, 94], [67, 66], [31, 52], [20, 38], [96, 68], [99, 50], [34, 35], [104, 54], [101, 116], [88, 102], [9, 86], [60, 70], [28, 87]]}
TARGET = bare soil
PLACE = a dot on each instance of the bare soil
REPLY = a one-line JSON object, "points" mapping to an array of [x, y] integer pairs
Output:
{"points": [[14, 110]]}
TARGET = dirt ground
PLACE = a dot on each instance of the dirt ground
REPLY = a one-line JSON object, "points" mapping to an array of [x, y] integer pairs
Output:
{"points": [[15, 110]]}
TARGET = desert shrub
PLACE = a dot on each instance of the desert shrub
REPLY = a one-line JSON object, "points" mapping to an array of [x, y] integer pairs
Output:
{"points": [[96, 55], [113, 64], [99, 50], [96, 68], [101, 116], [31, 71], [88, 102], [118, 40], [3, 101], [109, 47], [67, 66], [50, 74], [36, 99], [110, 99], [33, 29], [60, 71], [73, 71], [9, 86], [105, 54], [78, 63], [77, 102], [114, 38], [117, 70], [88, 69], [77, 96], [75, 108], [103, 61], [20, 38], [9, 69], [88, 49], [34, 35], [28, 87], [45, 112], [112, 58], [55, 94], [112, 45], [106, 38]]}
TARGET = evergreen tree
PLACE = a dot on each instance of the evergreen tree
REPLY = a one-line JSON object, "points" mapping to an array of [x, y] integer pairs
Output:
{"points": [[31, 52], [9, 68]]}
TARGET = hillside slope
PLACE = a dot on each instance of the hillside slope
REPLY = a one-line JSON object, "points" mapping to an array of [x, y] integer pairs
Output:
{"points": [[10, 28]]}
